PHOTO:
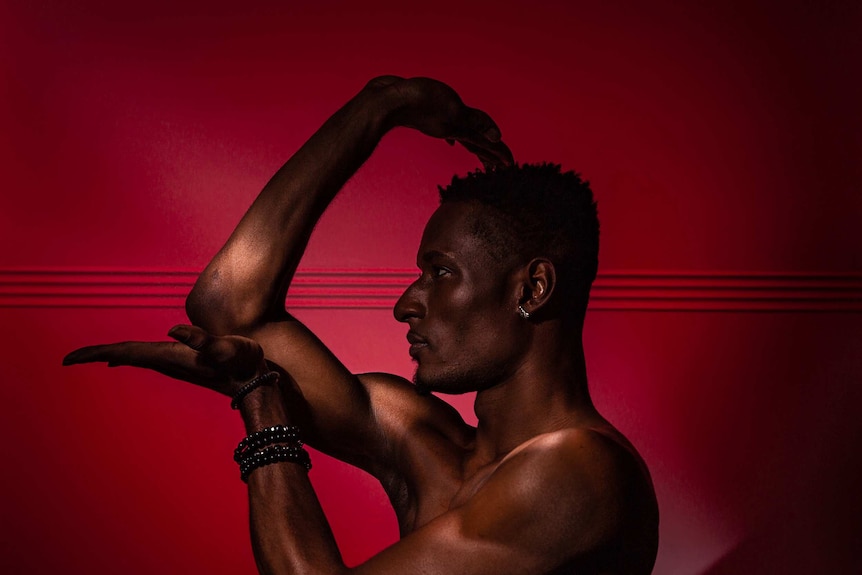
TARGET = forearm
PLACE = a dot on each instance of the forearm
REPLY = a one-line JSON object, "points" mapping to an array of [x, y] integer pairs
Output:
{"points": [[244, 286], [246, 281], [289, 531]]}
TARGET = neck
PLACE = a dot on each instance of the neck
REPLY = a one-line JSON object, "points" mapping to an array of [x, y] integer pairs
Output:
{"points": [[546, 392]]}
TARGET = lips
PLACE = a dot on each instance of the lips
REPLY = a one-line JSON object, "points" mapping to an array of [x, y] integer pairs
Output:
{"points": [[415, 338], [417, 343]]}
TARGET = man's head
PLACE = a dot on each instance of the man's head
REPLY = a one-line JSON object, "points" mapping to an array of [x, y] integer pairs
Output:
{"points": [[537, 211], [517, 236]]}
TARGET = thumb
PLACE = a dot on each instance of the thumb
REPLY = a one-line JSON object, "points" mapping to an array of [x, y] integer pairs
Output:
{"points": [[193, 336]]}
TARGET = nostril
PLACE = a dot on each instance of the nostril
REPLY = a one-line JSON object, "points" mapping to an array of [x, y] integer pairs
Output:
{"points": [[399, 310], [408, 305]]}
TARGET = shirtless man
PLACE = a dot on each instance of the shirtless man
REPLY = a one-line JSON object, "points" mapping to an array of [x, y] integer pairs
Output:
{"points": [[544, 484]]}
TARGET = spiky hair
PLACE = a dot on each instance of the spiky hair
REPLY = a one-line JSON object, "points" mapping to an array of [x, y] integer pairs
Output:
{"points": [[537, 210]]}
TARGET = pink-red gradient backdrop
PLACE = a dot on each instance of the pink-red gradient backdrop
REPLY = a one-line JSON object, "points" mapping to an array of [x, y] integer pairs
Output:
{"points": [[722, 142]]}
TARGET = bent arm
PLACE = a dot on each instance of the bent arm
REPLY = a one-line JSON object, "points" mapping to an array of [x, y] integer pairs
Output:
{"points": [[242, 290], [245, 283]]}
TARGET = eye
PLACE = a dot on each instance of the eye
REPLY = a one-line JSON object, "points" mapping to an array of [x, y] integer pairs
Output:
{"points": [[440, 271]]}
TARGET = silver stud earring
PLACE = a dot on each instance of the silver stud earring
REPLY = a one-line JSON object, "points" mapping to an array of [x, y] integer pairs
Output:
{"points": [[524, 313]]}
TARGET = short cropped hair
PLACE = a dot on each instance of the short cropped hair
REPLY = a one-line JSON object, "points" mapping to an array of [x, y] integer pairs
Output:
{"points": [[537, 211]]}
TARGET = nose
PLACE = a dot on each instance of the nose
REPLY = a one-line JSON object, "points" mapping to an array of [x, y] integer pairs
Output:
{"points": [[409, 305]]}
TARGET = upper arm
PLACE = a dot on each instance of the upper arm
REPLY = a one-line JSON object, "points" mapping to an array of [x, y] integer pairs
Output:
{"points": [[543, 508], [356, 418]]}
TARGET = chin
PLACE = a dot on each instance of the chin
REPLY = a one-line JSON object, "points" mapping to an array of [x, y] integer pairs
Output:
{"points": [[452, 383]]}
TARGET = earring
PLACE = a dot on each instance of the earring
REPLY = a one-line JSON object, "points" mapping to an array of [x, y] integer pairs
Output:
{"points": [[524, 313]]}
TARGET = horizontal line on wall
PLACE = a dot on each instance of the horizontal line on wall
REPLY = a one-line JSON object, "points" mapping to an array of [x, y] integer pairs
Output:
{"points": [[379, 288]]}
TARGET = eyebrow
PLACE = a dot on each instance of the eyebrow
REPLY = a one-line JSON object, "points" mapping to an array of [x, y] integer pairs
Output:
{"points": [[434, 254]]}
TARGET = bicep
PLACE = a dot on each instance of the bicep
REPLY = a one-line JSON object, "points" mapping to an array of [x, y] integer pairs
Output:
{"points": [[330, 404], [359, 419]]}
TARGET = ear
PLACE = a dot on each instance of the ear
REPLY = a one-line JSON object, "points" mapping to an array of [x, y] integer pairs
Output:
{"points": [[539, 281]]}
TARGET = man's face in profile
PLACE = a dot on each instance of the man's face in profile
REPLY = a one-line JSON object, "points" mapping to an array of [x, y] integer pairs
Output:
{"points": [[462, 310]]}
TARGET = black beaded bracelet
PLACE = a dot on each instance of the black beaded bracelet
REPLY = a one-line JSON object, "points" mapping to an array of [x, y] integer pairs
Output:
{"points": [[273, 454], [265, 379], [266, 436]]}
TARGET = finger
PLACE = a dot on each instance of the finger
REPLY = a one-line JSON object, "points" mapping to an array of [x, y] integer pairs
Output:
{"points": [[234, 355], [87, 354], [487, 160], [136, 353], [481, 123], [193, 336], [111, 352], [504, 154], [170, 358], [383, 81], [484, 139], [491, 155], [211, 349]]}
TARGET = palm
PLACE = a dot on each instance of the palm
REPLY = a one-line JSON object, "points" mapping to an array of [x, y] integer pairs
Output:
{"points": [[220, 363]]}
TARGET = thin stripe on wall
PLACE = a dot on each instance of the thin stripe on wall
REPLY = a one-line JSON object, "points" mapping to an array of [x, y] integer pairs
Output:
{"points": [[379, 289]]}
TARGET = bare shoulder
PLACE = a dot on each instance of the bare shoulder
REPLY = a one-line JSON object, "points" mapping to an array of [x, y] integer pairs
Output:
{"points": [[583, 466], [585, 453], [579, 497], [562, 503]]}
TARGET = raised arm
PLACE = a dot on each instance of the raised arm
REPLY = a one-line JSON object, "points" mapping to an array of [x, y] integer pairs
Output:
{"points": [[245, 284], [242, 290]]}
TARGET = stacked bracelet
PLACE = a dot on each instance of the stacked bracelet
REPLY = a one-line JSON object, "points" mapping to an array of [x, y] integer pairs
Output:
{"points": [[273, 454], [265, 379], [264, 437], [272, 444]]}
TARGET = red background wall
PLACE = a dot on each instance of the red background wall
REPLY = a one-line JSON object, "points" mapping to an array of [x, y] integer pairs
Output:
{"points": [[722, 143]]}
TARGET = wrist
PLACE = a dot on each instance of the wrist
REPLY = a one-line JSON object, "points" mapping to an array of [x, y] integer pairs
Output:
{"points": [[382, 103], [262, 408], [263, 377]]}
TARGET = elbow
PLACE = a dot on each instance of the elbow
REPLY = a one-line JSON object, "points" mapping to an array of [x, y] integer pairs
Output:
{"points": [[218, 311], [205, 309], [198, 307]]}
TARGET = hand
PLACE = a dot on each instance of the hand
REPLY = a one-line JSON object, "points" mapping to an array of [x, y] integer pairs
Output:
{"points": [[436, 110], [220, 363]]}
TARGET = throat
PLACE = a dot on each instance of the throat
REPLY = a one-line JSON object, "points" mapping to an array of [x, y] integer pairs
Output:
{"points": [[516, 411]]}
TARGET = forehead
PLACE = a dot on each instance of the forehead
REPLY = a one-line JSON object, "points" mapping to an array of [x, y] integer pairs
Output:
{"points": [[452, 231], [467, 234]]}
